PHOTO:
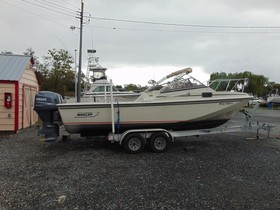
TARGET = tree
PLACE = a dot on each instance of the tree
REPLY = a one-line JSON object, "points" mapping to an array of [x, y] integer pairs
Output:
{"points": [[57, 73], [132, 87], [152, 82], [273, 85], [119, 87], [5, 52], [29, 51]]}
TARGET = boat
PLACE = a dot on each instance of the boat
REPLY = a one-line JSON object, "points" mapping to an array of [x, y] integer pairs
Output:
{"points": [[274, 97], [177, 102], [99, 84], [100, 90]]}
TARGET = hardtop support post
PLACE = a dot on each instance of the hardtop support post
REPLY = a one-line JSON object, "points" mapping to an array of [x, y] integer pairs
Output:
{"points": [[112, 109]]}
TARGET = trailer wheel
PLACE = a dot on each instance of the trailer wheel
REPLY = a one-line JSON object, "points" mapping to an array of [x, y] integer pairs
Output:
{"points": [[159, 142], [133, 143]]}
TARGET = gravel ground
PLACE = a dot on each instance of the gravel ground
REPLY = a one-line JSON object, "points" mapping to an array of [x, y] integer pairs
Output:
{"points": [[224, 171]]}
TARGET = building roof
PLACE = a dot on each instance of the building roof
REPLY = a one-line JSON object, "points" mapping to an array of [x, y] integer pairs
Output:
{"points": [[13, 66]]}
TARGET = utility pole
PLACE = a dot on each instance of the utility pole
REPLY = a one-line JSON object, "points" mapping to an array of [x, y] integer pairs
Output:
{"points": [[76, 74], [80, 53]]}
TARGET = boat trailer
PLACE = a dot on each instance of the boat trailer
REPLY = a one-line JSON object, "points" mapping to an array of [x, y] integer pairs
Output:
{"points": [[134, 140]]}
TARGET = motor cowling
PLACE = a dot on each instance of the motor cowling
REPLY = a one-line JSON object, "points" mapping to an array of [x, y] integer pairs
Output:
{"points": [[45, 106]]}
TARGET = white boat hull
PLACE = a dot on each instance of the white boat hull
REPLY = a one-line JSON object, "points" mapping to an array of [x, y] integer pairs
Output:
{"points": [[275, 100], [96, 118]]}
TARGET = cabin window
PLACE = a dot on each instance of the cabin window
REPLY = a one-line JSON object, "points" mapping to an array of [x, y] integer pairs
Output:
{"points": [[108, 89], [99, 89]]}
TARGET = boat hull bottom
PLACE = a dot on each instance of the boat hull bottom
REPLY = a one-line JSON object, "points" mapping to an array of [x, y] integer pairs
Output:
{"points": [[102, 130]]}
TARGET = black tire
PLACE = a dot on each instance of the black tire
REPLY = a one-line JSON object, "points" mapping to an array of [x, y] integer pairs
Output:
{"points": [[133, 143], [159, 142]]}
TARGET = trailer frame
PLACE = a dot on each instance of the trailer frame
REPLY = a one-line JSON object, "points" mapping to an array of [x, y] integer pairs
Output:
{"points": [[158, 139]]}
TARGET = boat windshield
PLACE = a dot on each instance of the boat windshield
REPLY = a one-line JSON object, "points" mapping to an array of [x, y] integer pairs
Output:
{"points": [[182, 84], [178, 84]]}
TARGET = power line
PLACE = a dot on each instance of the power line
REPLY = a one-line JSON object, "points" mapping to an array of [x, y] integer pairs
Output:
{"points": [[76, 8], [184, 25], [48, 8], [30, 12], [186, 31], [57, 6], [61, 42]]}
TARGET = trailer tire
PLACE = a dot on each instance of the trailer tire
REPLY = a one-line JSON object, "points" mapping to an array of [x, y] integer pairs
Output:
{"points": [[159, 142], [133, 143]]}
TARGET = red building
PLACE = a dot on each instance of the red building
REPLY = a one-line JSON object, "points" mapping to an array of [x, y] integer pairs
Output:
{"points": [[18, 87]]}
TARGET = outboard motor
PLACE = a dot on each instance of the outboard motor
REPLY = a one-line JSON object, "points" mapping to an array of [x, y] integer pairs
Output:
{"points": [[45, 106]]}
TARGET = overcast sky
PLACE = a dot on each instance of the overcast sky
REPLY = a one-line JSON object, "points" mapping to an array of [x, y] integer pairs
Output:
{"points": [[148, 39]]}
